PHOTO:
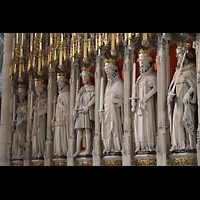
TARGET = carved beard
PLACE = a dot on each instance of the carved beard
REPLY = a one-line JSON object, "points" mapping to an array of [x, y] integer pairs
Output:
{"points": [[111, 77], [143, 69], [179, 61]]}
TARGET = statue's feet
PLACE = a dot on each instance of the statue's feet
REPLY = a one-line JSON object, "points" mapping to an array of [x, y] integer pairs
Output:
{"points": [[137, 149], [88, 151], [173, 148], [76, 154]]}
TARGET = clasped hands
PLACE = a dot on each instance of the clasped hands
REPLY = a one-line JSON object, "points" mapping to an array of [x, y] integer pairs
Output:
{"points": [[142, 103]]}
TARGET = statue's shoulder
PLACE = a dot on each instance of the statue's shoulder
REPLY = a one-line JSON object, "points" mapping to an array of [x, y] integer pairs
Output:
{"points": [[90, 88]]}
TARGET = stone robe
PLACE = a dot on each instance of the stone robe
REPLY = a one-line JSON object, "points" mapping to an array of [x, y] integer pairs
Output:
{"points": [[39, 127], [181, 116], [19, 137], [112, 131], [145, 120], [62, 123], [85, 95]]}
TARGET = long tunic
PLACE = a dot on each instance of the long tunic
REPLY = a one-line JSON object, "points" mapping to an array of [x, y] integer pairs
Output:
{"points": [[113, 115], [19, 137], [145, 120], [182, 117], [84, 121], [39, 127], [62, 123]]}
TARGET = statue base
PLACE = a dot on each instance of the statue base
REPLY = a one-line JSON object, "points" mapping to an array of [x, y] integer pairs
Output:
{"points": [[113, 159], [84, 159], [17, 163], [60, 161], [38, 163], [145, 159], [183, 159]]}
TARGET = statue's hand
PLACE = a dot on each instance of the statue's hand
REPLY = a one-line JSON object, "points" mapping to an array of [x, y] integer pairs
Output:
{"points": [[133, 109], [146, 98], [85, 110], [143, 106], [186, 98], [170, 98], [75, 114]]}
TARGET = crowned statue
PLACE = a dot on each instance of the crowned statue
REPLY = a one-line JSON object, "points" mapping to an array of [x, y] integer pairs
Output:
{"points": [[144, 104], [39, 112], [19, 126], [111, 109], [182, 99], [84, 113], [60, 121]]}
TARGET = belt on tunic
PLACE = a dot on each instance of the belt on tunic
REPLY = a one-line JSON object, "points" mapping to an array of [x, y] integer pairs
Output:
{"points": [[60, 123]]}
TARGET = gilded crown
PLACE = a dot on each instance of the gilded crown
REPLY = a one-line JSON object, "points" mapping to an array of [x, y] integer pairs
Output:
{"points": [[39, 80], [85, 70], [185, 45], [146, 53], [62, 75], [111, 61], [22, 86]]}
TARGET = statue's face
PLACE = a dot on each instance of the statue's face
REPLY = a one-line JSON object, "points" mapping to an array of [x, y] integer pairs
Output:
{"points": [[22, 95], [145, 64], [85, 78], [39, 89], [61, 84]]}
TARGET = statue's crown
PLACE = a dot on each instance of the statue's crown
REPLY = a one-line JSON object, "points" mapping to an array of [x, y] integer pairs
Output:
{"points": [[22, 86], [39, 80], [185, 45], [111, 61], [145, 53], [85, 70], [62, 75]]}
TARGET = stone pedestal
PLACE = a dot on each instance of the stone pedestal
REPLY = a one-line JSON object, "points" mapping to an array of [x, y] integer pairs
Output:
{"points": [[183, 159], [145, 160], [112, 160], [38, 163], [84, 159], [60, 161], [18, 163]]}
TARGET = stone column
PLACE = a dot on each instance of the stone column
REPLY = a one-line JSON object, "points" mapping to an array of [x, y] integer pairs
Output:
{"points": [[196, 45], [48, 161], [71, 139], [28, 152], [127, 157], [97, 161], [5, 108], [161, 104]]}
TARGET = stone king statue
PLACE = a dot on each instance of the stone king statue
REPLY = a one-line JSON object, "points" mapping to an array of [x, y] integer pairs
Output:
{"points": [[19, 126], [144, 104], [39, 112], [60, 121], [84, 112], [112, 116], [182, 98]]}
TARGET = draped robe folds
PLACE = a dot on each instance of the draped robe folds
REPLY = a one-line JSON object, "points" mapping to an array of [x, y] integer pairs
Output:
{"points": [[19, 137], [62, 123], [182, 116], [39, 127], [83, 121], [145, 120], [112, 132]]}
